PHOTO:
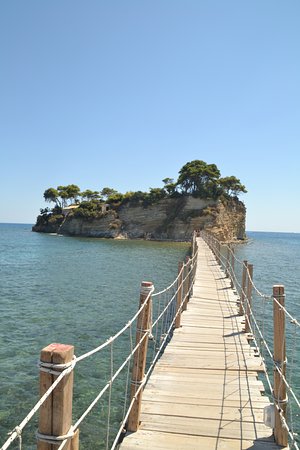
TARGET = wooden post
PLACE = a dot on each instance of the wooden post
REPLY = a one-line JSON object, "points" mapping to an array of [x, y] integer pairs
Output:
{"points": [[213, 247], [190, 284], [179, 295], [186, 284], [280, 396], [227, 261], [140, 356], [56, 413], [232, 268], [193, 243], [218, 252], [244, 284], [249, 298]]}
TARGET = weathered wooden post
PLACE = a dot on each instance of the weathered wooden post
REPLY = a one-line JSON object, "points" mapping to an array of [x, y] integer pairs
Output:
{"points": [[179, 294], [227, 261], [218, 252], [232, 268], [213, 246], [186, 284], [244, 284], [56, 412], [279, 394], [193, 243], [190, 284], [249, 298], [140, 356]]}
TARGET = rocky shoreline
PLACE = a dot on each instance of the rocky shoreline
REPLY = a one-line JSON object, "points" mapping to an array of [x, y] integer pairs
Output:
{"points": [[168, 219]]}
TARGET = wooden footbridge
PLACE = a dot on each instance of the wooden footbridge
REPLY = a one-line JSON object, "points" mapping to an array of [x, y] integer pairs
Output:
{"points": [[204, 392], [193, 371]]}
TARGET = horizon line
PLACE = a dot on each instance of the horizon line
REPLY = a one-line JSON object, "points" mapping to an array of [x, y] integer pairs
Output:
{"points": [[247, 231]]}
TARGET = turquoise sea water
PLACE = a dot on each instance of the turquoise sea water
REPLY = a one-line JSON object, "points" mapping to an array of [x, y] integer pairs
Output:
{"points": [[81, 291], [76, 291], [276, 260]]}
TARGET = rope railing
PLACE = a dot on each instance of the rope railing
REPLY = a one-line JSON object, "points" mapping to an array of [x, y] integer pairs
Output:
{"points": [[157, 316], [284, 428], [155, 321], [257, 329]]}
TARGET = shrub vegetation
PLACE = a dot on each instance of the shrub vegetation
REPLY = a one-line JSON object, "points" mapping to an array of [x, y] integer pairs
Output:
{"points": [[195, 178]]}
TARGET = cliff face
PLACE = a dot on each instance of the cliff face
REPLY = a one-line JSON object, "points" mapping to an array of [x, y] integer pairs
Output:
{"points": [[229, 223], [173, 219]]}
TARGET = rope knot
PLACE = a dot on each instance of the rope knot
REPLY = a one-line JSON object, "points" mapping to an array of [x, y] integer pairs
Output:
{"points": [[18, 430], [56, 369], [55, 440]]}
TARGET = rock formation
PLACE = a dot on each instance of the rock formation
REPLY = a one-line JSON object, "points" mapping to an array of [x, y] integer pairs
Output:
{"points": [[168, 219]]}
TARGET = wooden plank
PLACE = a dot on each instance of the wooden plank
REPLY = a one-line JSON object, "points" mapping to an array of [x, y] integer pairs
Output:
{"points": [[204, 391], [236, 364], [238, 396], [240, 402], [218, 378], [148, 440], [219, 386], [201, 410], [206, 427]]}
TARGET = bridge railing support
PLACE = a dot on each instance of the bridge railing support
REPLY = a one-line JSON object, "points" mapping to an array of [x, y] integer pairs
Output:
{"points": [[218, 252], [248, 298], [56, 412], [179, 295], [227, 261], [140, 356], [279, 393], [232, 259], [186, 283], [243, 289]]}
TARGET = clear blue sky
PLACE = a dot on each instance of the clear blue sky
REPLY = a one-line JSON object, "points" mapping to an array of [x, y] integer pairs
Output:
{"points": [[123, 93]]}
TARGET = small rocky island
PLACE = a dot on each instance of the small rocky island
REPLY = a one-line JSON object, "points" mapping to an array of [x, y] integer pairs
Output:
{"points": [[199, 199]]}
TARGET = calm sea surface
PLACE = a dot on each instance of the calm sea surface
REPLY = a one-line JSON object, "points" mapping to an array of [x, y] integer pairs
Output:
{"points": [[276, 260], [80, 291]]}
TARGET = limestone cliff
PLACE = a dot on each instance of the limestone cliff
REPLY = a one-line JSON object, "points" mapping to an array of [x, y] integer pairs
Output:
{"points": [[229, 223], [167, 219]]}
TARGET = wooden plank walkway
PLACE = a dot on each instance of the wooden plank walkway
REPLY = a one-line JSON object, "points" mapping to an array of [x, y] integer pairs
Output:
{"points": [[204, 392]]}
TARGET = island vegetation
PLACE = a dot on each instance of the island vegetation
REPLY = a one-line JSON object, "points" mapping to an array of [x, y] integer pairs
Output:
{"points": [[196, 178]]}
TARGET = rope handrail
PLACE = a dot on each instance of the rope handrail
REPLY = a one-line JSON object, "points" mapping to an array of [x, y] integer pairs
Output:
{"points": [[105, 388], [15, 433], [163, 323], [259, 293], [147, 374], [52, 368], [178, 276], [228, 264], [267, 347]]}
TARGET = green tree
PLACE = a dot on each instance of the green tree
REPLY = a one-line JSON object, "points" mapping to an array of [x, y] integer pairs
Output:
{"points": [[73, 192], [108, 192], [199, 178], [134, 197], [155, 194], [232, 186], [116, 198], [69, 192], [52, 195], [90, 195], [44, 211], [62, 192], [169, 186], [167, 181]]}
